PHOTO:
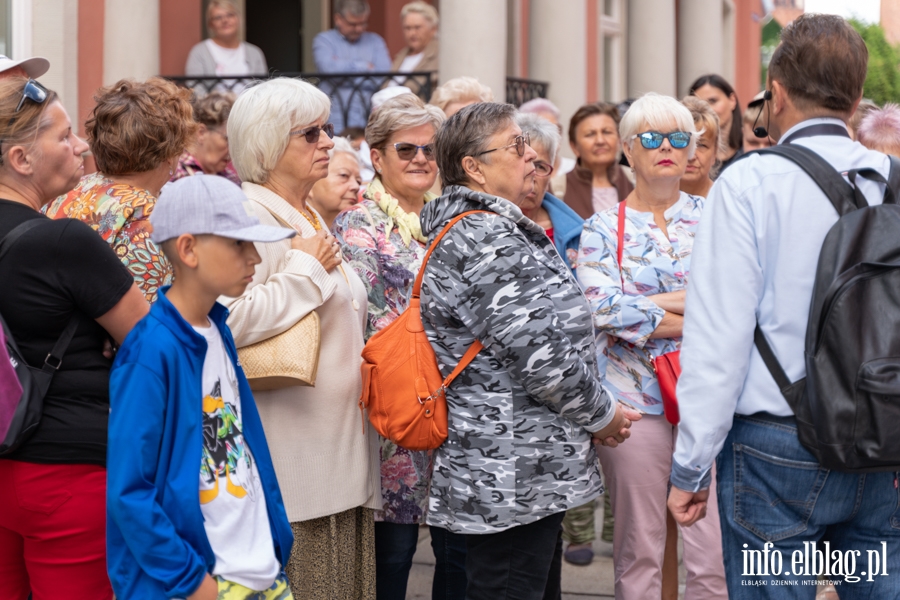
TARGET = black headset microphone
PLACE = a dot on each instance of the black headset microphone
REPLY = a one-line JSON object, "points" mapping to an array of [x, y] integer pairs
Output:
{"points": [[762, 132]]}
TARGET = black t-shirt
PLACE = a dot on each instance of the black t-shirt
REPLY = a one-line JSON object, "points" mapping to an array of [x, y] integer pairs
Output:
{"points": [[51, 272]]}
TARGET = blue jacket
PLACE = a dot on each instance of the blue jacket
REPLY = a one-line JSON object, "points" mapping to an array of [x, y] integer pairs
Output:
{"points": [[156, 542], [567, 225]]}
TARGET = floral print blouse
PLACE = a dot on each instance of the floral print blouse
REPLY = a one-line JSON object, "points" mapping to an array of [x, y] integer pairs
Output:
{"points": [[651, 264], [371, 244], [120, 213]]}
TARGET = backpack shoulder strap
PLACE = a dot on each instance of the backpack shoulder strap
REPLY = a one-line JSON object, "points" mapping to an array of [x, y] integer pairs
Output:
{"points": [[417, 286], [893, 182], [839, 192], [15, 233]]}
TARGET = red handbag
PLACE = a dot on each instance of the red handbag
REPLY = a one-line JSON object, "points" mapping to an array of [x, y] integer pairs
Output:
{"points": [[668, 365]]}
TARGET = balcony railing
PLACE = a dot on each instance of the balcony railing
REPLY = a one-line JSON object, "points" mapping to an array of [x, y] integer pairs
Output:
{"points": [[351, 93], [519, 91]]}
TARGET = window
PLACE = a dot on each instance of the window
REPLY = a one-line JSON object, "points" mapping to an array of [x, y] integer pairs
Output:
{"points": [[5, 22]]}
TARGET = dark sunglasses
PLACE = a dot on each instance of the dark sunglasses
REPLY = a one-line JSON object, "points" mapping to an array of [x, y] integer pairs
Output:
{"points": [[407, 151], [542, 169], [520, 143], [33, 91], [651, 140], [312, 133]]}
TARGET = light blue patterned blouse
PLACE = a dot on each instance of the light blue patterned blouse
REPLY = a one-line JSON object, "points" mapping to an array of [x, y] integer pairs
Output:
{"points": [[651, 264]]}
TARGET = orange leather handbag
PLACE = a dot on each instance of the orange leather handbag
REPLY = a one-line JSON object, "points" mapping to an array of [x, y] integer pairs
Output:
{"points": [[402, 386]]}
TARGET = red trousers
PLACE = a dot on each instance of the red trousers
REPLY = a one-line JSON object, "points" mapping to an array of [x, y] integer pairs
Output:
{"points": [[53, 532]]}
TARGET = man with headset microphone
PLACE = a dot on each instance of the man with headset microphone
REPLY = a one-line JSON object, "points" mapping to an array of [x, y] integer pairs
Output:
{"points": [[754, 261]]}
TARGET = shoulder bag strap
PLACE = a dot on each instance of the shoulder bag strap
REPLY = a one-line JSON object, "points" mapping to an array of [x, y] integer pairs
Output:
{"points": [[476, 346], [54, 358], [18, 231], [620, 233]]}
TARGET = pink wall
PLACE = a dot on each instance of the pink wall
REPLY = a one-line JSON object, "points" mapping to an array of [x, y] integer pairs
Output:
{"points": [[180, 28], [748, 34], [90, 57]]}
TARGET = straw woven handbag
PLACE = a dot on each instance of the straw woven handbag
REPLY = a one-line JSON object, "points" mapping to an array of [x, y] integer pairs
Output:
{"points": [[290, 358]]}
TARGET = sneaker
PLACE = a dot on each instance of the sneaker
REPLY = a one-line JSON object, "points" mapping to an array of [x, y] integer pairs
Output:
{"points": [[579, 554]]}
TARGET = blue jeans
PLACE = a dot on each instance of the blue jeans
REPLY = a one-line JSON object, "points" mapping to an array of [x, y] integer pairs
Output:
{"points": [[783, 516], [395, 545]]}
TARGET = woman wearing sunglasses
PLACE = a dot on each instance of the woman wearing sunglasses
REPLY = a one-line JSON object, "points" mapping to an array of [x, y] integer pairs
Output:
{"points": [[325, 459], [56, 277], [383, 242], [639, 306], [525, 413]]}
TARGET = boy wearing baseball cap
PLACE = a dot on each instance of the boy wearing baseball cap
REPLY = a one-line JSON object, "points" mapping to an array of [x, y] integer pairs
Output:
{"points": [[194, 510]]}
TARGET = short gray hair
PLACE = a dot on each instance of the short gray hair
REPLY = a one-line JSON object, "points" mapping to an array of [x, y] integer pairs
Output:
{"points": [[540, 105], [460, 89], [657, 112], [343, 146], [399, 113], [351, 7], [262, 119], [423, 8], [466, 134], [541, 131]]}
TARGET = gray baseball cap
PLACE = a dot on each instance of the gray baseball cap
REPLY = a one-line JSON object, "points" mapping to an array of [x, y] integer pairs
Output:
{"points": [[209, 204]]}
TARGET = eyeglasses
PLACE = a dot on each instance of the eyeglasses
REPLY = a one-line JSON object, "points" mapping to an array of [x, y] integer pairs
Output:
{"points": [[225, 17], [312, 133], [542, 169], [407, 151], [520, 143], [651, 140], [33, 91]]}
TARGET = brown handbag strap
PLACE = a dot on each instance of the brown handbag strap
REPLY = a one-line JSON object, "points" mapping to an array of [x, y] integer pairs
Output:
{"points": [[476, 346], [417, 286]]}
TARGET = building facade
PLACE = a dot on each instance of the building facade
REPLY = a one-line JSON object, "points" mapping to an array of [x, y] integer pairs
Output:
{"points": [[586, 50]]}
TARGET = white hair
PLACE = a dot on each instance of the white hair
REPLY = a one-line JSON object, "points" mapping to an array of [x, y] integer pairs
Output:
{"points": [[657, 112], [460, 89], [541, 131], [262, 118], [540, 105], [423, 8], [343, 145]]}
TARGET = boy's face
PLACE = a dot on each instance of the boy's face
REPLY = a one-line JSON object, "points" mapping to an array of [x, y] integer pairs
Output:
{"points": [[225, 266]]}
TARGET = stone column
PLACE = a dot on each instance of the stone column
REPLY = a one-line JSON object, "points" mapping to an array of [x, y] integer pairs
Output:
{"points": [[54, 36], [557, 54], [473, 42], [700, 41], [651, 46], [130, 40]]}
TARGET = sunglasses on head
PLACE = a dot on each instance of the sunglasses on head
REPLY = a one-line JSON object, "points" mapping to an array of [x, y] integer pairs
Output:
{"points": [[407, 151], [651, 140], [33, 91], [312, 133], [520, 142]]}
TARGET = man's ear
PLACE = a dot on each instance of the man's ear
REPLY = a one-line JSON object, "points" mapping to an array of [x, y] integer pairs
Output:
{"points": [[474, 170], [780, 99], [186, 247]]}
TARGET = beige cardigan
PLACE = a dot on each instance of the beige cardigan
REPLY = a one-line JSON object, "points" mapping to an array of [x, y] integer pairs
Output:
{"points": [[326, 454]]}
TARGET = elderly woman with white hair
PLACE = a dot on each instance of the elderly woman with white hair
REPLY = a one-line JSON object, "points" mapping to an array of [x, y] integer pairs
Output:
{"points": [[338, 191], [326, 462], [419, 21], [456, 94], [638, 304], [383, 242]]}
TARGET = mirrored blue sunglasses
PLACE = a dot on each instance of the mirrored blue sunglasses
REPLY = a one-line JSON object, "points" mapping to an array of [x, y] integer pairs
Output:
{"points": [[651, 140]]}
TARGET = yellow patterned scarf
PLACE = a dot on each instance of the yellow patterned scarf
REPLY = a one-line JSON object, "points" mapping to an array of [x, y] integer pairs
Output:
{"points": [[407, 222]]}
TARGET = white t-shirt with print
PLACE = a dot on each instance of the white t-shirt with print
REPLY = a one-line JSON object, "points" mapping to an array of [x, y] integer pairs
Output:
{"points": [[229, 61], [231, 496]]}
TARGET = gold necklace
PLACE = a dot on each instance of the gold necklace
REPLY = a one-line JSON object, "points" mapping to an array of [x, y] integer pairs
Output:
{"points": [[311, 218]]}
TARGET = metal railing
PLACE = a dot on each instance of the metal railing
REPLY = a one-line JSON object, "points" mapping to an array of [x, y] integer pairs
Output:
{"points": [[351, 93], [519, 91]]}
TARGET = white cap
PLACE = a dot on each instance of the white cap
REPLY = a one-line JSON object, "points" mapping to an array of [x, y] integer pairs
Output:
{"points": [[34, 67]]}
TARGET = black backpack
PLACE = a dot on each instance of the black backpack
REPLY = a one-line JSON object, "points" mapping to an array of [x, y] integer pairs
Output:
{"points": [[848, 406], [26, 413]]}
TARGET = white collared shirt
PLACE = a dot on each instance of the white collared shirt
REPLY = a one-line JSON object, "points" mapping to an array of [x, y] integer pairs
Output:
{"points": [[755, 257]]}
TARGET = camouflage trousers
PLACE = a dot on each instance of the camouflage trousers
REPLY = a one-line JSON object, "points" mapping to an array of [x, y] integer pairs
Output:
{"points": [[579, 526]]}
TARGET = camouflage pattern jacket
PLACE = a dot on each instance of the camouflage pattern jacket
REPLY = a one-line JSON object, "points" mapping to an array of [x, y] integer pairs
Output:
{"points": [[520, 415]]}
